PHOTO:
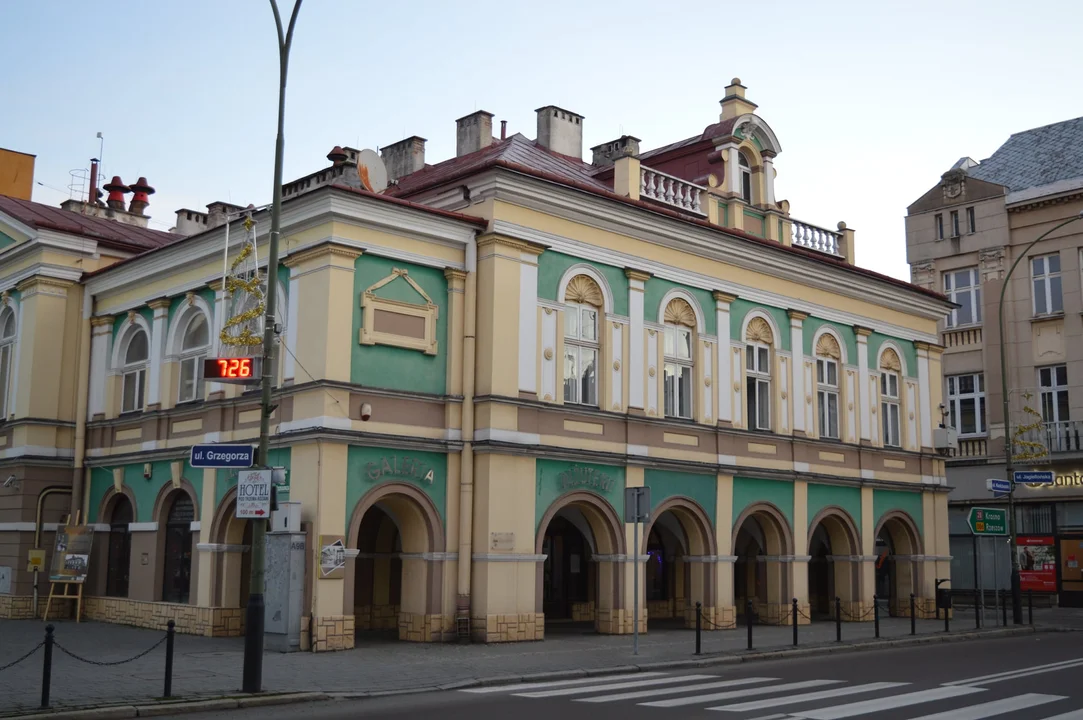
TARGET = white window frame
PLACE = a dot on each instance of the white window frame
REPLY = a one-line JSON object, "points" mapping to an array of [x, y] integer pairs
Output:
{"points": [[1042, 280], [192, 357], [745, 168], [827, 397], [758, 386], [135, 372], [677, 395], [955, 229], [938, 226], [958, 295], [1050, 391], [890, 408], [971, 221], [7, 361], [956, 397], [581, 347]]}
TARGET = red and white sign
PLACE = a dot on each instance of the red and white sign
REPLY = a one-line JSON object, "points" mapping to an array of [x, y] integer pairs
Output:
{"points": [[254, 495], [1037, 563]]}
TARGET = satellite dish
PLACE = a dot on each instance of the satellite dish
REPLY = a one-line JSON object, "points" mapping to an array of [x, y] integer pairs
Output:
{"points": [[372, 171]]}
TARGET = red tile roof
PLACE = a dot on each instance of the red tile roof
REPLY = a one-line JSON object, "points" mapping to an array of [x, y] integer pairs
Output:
{"points": [[719, 129], [110, 233]]}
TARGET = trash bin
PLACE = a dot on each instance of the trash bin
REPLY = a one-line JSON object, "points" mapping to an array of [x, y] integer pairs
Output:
{"points": [[943, 599]]}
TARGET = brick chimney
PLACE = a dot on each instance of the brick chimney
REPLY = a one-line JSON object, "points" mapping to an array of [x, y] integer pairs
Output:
{"points": [[606, 153], [560, 130], [404, 157], [473, 132], [140, 199], [735, 104]]}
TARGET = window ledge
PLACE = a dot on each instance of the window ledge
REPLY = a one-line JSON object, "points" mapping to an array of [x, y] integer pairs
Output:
{"points": [[968, 326], [1046, 317]]}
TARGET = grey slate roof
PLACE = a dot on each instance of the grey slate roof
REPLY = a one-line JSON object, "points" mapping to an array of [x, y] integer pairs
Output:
{"points": [[1037, 157]]}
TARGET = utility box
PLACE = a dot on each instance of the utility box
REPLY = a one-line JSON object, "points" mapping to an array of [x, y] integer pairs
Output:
{"points": [[287, 518], [284, 577]]}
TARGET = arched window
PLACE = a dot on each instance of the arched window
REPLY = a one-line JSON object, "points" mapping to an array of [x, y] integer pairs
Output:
{"points": [[680, 324], [828, 355], [120, 548], [582, 304], [746, 177], [7, 355], [890, 369], [134, 382], [759, 338], [193, 350], [177, 566]]}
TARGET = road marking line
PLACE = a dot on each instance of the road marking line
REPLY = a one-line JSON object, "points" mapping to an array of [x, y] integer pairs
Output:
{"points": [[1011, 674], [1018, 675], [614, 686], [807, 697], [887, 703], [776, 716], [749, 692], [995, 707], [1072, 715], [674, 691], [557, 683]]}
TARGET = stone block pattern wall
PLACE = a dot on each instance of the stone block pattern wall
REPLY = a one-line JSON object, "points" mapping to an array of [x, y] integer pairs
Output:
{"points": [[508, 628], [782, 614], [583, 611], [855, 611], [415, 627], [376, 617], [189, 619], [619, 622], [334, 632], [20, 607], [659, 609], [714, 618]]}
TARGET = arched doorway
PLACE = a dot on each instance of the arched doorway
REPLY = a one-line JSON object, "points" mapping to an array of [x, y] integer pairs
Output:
{"points": [[120, 547], [898, 547], [833, 571], [394, 585], [177, 557], [579, 581], [678, 544], [233, 559], [763, 545]]}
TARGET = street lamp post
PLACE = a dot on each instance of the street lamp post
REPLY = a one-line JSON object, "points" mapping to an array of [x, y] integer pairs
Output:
{"points": [[1017, 593], [252, 675]]}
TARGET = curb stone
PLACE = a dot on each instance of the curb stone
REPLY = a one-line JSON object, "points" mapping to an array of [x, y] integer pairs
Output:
{"points": [[179, 707]]}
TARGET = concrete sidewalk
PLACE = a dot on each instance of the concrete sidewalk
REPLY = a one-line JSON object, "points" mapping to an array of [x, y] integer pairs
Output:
{"points": [[209, 667]]}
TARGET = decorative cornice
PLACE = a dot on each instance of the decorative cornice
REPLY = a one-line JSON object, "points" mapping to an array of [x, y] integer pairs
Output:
{"points": [[633, 274], [39, 285], [455, 275], [862, 331], [325, 248], [102, 321], [160, 304], [725, 297], [520, 245], [797, 315]]}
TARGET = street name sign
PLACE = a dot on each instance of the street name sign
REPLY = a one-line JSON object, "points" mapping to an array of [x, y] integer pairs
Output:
{"points": [[253, 494], [222, 456], [1034, 477], [997, 485], [988, 521]]}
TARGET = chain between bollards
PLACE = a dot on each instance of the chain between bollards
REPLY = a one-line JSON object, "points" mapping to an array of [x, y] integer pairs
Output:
{"points": [[795, 622], [47, 666], [169, 633], [699, 625], [913, 617], [838, 619], [876, 615]]}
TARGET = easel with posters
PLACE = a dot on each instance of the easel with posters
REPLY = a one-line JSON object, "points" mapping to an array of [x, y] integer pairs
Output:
{"points": [[71, 558]]}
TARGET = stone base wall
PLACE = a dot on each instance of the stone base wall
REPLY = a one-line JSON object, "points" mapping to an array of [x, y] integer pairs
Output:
{"points": [[414, 627], [21, 607], [376, 617], [717, 618], [583, 611], [660, 609], [334, 632], [619, 622], [508, 628], [782, 613], [188, 619], [856, 611]]}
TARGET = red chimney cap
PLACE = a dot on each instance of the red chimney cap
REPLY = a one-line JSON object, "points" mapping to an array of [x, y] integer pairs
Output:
{"points": [[141, 186], [117, 185], [337, 154]]}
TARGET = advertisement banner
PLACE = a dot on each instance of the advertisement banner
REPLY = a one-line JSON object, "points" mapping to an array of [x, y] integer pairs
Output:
{"points": [[71, 554], [1037, 564]]}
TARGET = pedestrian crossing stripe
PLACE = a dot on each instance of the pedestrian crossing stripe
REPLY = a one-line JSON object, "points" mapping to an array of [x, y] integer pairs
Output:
{"points": [[749, 694]]}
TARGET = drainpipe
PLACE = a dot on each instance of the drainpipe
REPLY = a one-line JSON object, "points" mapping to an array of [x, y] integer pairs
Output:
{"points": [[466, 473], [81, 400], [55, 490]]}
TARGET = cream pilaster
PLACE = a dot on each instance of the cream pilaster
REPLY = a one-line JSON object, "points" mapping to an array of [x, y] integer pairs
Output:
{"points": [[43, 364], [221, 309], [797, 368], [862, 397], [101, 344], [722, 384], [637, 348], [160, 309], [768, 178], [924, 411], [206, 565], [528, 319], [289, 365]]}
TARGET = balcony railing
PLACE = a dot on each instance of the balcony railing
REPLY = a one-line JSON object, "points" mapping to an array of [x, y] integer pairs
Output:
{"points": [[962, 337], [663, 188], [970, 448], [815, 238], [1059, 437]]}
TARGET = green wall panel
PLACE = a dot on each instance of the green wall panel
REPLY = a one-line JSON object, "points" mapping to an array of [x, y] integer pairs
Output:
{"points": [[847, 498], [392, 367], [555, 478], [121, 320], [657, 288], [739, 308], [145, 491], [884, 501], [665, 484], [552, 266], [812, 325], [368, 467], [749, 491], [176, 303], [910, 353]]}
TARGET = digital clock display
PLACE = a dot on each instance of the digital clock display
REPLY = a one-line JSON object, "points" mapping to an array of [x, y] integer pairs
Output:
{"points": [[242, 370]]}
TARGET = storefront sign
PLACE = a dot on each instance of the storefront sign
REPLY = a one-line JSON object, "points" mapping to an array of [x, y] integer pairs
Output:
{"points": [[584, 478], [402, 467], [71, 555], [1037, 564], [1059, 480]]}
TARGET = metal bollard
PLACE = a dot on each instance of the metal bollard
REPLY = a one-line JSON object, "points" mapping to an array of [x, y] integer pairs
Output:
{"points": [[1003, 609], [913, 617], [947, 626], [838, 619], [748, 622], [169, 632], [979, 611], [876, 615], [1030, 607], [699, 625], [47, 666], [795, 622]]}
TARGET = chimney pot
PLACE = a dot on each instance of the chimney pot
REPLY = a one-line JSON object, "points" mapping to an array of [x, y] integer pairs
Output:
{"points": [[503, 129], [560, 131], [337, 156], [140, 199], [473, 132], [117, 190]]}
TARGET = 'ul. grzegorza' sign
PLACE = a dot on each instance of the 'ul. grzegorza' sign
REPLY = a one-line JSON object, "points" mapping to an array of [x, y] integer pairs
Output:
{"points": [[584, 478], [399, 467]]}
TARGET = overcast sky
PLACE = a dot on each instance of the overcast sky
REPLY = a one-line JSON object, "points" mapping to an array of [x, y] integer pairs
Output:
{"points": [[871, 101]]}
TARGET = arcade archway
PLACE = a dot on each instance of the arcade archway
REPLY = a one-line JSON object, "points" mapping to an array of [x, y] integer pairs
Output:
{"points": [[763, 546], [898, 557], [834, 568], [679, 570]]}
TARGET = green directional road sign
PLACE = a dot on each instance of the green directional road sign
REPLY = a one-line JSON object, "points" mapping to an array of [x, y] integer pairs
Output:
{"points": [[988, 521]]}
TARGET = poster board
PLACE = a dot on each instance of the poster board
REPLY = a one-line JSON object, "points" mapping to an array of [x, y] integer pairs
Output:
{"points": [[71, 554], [1037, 564], [332, 557]]}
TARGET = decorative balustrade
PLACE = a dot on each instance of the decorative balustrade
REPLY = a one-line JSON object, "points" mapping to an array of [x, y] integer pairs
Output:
{"points": [[970, 448], [1059, 437], [815, 238], [663, 188], [962, 337]]}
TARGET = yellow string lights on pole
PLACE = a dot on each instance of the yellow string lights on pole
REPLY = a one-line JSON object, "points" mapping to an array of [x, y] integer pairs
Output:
{"points": [[1027, 449], [245, 282]]}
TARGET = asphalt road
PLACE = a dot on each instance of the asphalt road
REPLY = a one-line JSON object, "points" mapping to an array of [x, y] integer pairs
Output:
{"points": [[1032, 677]]}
